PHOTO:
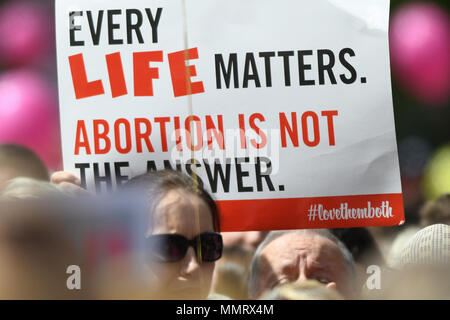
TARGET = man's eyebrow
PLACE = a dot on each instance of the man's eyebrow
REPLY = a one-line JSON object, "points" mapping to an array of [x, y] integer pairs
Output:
{"points": [[320, 266], [283, 267]]}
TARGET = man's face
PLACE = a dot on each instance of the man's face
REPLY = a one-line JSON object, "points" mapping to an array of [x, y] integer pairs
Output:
{"points": [[296, 257]]}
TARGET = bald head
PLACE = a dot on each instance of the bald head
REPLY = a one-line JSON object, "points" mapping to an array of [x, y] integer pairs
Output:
{"points": [[17, 161], [299, 255]]}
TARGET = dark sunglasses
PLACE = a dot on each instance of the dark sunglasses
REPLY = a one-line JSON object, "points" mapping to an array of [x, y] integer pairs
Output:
{"points": [[208, 247]]}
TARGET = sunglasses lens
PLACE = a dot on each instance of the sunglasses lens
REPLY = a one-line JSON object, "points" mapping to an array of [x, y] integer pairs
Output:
{"points": [[167, 247], [212, 246]]}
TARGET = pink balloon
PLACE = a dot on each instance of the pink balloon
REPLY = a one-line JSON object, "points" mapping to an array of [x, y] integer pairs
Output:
{"points": [[25, 33], [420, 51], [29, 116]]}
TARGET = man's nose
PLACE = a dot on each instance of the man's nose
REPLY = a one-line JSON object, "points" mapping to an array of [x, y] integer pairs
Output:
{"points": [[190, 264], [302, 277]]}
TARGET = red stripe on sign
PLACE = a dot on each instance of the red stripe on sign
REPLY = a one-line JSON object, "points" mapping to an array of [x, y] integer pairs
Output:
{"points": [[312, 213]]}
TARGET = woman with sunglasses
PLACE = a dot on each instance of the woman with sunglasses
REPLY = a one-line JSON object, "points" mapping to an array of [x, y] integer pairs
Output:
{"points": [[182, 239]]}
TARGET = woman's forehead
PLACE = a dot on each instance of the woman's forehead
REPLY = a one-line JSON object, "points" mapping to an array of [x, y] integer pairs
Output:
{"points": [[182, 212]]}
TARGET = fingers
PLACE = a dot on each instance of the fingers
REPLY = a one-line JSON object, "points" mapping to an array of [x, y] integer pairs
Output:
{"points": [[65, 177], [68, 182], [72, 188]]}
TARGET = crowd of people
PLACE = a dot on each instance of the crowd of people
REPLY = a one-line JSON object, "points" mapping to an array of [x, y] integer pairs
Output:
{"points": [[181, 253]]}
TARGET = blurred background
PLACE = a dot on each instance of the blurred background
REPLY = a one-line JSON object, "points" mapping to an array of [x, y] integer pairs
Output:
{"points": [[420, 58]]}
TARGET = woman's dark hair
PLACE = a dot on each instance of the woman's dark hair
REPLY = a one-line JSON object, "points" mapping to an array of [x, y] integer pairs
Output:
{"points": [[156, 184]]}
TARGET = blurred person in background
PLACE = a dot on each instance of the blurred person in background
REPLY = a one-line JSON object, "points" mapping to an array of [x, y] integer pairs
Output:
{"points": [[432, 212], [17, 161], [229, 281], [26, 188], [307, 290], [248, 240], [231, 275], [295, 256], [429, 246], [436, 212], [422, 268], [34, 254], [401, 238], [44, 239]]}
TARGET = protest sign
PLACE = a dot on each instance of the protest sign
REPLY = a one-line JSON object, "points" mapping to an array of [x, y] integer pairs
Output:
{"points": [[281, 109]]}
